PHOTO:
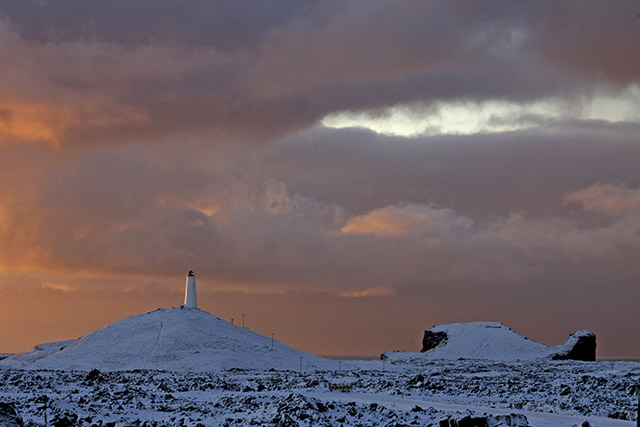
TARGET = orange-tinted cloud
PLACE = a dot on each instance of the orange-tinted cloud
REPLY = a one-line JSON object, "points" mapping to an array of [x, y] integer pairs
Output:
{"points": [[52, 124], [608, 199], [375, 292], [397, 221]]}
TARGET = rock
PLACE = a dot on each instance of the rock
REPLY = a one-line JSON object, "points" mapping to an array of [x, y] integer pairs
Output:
{"points": [[9, 416], [470, 421], [93, 375], [617, 415], [581, 345], [63, 421], [432, 339], [513, 420], [418, 380]]}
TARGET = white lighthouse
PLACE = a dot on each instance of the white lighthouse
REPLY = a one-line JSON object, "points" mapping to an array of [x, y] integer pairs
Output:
{"points": [[190, 298]]}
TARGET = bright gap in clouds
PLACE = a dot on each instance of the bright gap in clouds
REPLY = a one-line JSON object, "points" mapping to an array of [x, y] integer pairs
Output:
{"points": [[470, 117]]}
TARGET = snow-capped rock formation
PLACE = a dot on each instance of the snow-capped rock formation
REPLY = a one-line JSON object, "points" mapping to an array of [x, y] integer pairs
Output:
{"points": [[495, 341], [581, 345], [178, 339]]}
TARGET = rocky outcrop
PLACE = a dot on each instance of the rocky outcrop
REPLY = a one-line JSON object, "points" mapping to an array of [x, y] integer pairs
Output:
{"points": [[9, 417], [581, 345], [494, 341], [433, 339]]}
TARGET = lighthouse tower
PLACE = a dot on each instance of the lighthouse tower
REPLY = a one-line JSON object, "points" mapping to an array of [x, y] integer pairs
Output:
{"points": [[190, 298]]}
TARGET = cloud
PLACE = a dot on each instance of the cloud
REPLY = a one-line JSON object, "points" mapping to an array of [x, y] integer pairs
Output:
{"points": [[277, 201], [374, 292], [397, 221], [478, 175], [607, 199], [564, 239], [58, 287], [230, 26], [84, 91], [583, 51], [311, 214], [39, 122], [491, 116], [121, 212], [84, 77]]}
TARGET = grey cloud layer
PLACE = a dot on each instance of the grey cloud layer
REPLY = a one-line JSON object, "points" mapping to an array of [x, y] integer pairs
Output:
{"points": [[341, 216], [79, 75]]}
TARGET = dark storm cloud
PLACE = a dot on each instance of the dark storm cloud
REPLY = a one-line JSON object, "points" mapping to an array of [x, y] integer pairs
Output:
{"points": [[285, 65], [223, 24], [592, 38], [479, 175]]}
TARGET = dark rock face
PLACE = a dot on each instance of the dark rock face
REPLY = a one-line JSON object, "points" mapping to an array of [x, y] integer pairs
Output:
{"points": [[580, 345], [513, 420], [93, 375], [432, 339], [9, 416]]}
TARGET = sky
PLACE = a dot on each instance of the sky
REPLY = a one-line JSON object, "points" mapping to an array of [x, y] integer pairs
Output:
{"points": [[345, 174]]}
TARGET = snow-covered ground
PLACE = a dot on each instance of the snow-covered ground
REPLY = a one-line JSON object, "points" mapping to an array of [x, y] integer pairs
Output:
{"points": [[543, 393]]}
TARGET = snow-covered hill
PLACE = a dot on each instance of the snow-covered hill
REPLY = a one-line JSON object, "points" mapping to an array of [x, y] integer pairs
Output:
{"points": [[179, 339], [486, 341]]}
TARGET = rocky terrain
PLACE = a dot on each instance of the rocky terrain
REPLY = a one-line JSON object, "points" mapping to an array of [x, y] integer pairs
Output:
{"points": [[466, 393]]}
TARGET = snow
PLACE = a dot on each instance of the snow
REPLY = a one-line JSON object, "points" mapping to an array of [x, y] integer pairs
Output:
{"points": [[179, 339], [545, 393], [485, 341], [185, 367], [37, 352]]}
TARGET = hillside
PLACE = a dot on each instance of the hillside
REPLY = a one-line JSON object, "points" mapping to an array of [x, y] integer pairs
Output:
{"points": [[180, 339]]}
